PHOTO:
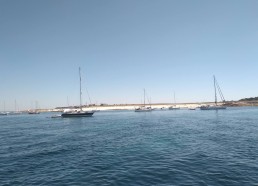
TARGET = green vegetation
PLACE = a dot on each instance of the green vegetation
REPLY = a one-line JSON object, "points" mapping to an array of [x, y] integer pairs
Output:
{"points": [[249, 99]]}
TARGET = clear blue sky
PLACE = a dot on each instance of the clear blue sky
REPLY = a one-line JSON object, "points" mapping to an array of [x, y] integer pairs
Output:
{"points": [[125, 46]]}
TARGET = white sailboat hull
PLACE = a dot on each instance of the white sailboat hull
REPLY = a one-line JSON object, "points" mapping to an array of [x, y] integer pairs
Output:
{"points": [[143, 109]]}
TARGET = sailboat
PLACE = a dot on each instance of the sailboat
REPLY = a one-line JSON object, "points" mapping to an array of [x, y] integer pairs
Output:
{"points": [[174, 107], [3, 113], [15, 112], [216, 106], [79, 112], [143, 108], [35, 111]]}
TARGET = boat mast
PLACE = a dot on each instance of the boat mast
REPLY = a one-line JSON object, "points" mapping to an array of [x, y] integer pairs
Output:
{"points": [[80, 89], [36, 105], [67, 100], [174, 98], [215, 89], [220, 92], [144, 97]]}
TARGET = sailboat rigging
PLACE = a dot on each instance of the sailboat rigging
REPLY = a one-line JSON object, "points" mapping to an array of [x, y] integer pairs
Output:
{"points": [[216, 106], [35, 111], [80, 112], [15, 112], [143, 108], [3, 113], [174, 107]]}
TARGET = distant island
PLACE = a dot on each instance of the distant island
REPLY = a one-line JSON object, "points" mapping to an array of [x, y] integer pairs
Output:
{"points": [[249, 99]]}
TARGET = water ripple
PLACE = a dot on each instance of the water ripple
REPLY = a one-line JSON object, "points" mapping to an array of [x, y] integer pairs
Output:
{"points": [[126, 148]]}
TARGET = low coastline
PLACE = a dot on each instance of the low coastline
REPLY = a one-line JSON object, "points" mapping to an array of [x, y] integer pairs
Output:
{"points": [[157, 106]]}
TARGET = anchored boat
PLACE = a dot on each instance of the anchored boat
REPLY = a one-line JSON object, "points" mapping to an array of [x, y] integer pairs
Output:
{"points": [[216, 106], [79, 112], [143, 108], [174, 107]]}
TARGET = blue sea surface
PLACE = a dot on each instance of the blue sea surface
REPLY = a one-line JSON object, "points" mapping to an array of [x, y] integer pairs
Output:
{"points": [[172, 147]]}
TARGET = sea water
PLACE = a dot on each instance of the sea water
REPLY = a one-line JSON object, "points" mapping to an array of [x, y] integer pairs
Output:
{"points": [[172, 147]]}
